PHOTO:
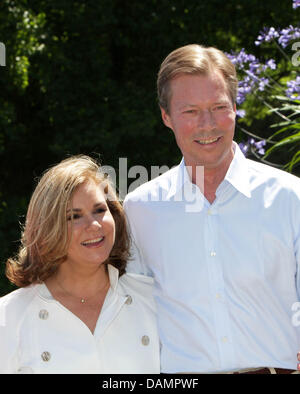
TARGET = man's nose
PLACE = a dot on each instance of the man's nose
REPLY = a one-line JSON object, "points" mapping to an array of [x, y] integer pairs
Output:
{"points": [[206, 119]]}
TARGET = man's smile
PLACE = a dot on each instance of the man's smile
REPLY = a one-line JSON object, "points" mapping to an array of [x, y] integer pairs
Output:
{"points": [[207, 141]]}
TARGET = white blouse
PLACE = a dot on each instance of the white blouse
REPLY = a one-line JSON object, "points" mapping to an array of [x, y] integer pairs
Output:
{"points": [[40, 335]]}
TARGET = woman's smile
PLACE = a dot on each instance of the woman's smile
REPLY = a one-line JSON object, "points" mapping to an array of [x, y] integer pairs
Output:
{"points": [[93, 243]]}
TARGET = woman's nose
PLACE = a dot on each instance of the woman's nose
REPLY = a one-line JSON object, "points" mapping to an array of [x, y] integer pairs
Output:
{"points": [[93, 222]]}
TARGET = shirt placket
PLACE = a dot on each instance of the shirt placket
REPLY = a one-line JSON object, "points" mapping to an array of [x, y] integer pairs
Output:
{"points": [[219, 304]]}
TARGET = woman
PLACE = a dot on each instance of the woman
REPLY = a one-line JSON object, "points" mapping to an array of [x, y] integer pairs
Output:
{"points": [[76, 310]]}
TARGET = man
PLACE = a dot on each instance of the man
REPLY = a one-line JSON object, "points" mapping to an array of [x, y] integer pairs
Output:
{"points": [[219, 233]]}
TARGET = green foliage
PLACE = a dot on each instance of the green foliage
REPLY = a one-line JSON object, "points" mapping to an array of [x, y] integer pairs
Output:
{"points": [[288, 135], [269, 92]]}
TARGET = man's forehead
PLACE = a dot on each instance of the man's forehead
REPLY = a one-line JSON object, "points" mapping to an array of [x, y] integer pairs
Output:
{"points": [[210, 87]]}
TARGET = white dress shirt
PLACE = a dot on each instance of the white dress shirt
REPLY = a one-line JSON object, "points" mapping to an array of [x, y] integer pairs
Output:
{"points": [[39, 335], [226, 274]]}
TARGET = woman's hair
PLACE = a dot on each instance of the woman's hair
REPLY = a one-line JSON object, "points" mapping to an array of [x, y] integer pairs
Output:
{"points": [[194, 59], [45, 240]]}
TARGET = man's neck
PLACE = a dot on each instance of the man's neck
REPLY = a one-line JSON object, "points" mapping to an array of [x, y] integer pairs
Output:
{"points": [[212, 179], [209, 179]]}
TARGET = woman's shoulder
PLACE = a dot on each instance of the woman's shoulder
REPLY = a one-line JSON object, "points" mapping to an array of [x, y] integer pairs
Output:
{"points": [[138, 282], [16, 302], [137, 285]]}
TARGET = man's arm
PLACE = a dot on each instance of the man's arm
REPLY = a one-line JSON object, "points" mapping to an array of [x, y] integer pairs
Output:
{"points": [[136, 263]]}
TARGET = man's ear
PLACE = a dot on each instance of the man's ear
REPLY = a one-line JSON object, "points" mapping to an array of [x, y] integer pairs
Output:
{"points": [[166, 118]]}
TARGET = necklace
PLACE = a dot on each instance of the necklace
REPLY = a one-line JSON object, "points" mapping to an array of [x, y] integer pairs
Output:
{"points": [[82, 300]]}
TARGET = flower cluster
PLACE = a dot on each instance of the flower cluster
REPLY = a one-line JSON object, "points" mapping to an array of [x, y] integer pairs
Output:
{"points": [[257, 76], [254, 73], [296, 3], [267, 35], [293, 90], [251, 144]]}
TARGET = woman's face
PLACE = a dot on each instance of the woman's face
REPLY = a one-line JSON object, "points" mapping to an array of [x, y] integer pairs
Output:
{"points": [[92, 233]]}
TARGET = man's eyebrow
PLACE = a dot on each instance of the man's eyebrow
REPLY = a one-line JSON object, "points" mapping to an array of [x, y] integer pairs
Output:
{"points": [[187, 105], [184, 105]]}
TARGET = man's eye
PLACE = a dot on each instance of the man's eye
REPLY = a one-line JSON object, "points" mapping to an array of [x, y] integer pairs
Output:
{"points": [[190, 111], [220, 108]]}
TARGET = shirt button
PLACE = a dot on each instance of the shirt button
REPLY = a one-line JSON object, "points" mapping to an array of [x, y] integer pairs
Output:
{"points": [[224, 339], [213, 254], [129, 300], [46, 356], [24, 370], [43, 314], [145, 340]]}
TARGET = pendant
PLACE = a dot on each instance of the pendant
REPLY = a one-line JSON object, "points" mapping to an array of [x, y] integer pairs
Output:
{"points": [[82, 300]]}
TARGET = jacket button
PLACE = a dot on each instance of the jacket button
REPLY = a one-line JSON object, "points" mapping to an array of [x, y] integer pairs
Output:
{"points": [[46, 356], [129, 300], [43, 314], [145, 340]]}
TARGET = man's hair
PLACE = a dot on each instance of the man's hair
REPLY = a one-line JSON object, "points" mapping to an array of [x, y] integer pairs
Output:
{"points": [[45, 238], [194, 59]]}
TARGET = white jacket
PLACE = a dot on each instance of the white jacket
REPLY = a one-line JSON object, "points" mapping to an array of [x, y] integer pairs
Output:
{"points": [[39, 335]]}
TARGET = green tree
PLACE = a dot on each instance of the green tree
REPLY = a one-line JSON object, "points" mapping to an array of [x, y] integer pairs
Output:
{"points": [[80, 78]]}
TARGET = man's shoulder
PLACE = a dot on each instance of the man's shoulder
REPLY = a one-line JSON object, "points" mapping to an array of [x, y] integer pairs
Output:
{"points": [[152, 188], [273, 176]]}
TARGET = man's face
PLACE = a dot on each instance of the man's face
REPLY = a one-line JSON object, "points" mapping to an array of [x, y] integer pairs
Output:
{"points": [[202, 118]]}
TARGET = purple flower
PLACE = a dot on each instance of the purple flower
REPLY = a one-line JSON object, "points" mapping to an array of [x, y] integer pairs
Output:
{"points": [[288, 34], [244, 147], [240, 113], [257, 146], [267, 35], [270, 64], [283, 36], [262, 83], [296, 3], [253, 69], [293, 90]]}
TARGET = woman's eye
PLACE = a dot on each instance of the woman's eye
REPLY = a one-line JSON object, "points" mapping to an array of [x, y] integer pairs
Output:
{"points": [[100, 210], [74, 217]]}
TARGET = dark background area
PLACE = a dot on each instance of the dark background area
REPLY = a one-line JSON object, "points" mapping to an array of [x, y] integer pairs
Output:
{"points": [[80, 77]]}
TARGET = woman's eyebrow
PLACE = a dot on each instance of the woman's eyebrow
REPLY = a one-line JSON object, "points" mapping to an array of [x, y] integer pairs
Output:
{"points": [[74, 210], [101, 204], [97, 205]]}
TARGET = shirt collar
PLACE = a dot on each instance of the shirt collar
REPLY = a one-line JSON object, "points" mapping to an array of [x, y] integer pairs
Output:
{"points": [[113, 274], [179, 179], [237, 175]]}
